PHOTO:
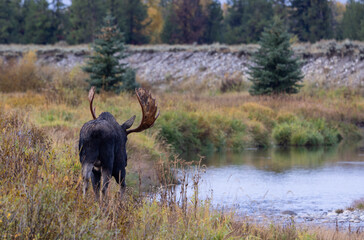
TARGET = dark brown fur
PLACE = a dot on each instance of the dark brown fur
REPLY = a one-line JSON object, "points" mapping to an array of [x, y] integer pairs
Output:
{"points": [[103, 152]]}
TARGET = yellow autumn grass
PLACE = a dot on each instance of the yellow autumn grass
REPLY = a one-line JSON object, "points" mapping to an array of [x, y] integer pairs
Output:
{"points": [[40, 192]]}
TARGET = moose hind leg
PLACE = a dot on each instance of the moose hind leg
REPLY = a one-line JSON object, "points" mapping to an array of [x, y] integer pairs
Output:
{"points": [[107, 159], [96, 180], [86, 175], [106, 177], [119, 175], [88, 156]]}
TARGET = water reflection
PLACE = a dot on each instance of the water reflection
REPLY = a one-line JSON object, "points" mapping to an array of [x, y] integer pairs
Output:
{"points": [[279, 160], [298, 179]]}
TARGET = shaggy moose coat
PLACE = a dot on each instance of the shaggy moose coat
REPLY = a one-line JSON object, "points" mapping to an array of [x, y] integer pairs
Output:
{"points": [[102, 143], [103, 151]]}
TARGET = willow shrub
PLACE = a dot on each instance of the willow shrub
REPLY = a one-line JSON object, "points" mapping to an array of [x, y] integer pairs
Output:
{"points": [[20, 76], [305, 133], [192, 132], [260, 113]]}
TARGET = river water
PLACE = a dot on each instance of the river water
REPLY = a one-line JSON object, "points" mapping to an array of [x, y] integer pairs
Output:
{"points": [[268, 182]]}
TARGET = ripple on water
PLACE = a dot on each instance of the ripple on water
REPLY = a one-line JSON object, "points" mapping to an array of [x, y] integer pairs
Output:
{"points": [[309, 183]]}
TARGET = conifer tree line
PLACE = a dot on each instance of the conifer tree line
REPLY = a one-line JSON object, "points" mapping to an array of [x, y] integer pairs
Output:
{"points": [[178, 21]]}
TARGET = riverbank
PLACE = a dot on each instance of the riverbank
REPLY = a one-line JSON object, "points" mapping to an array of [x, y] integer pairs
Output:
{"points": [[196, 68], [308, 185], [192, 122], [43, 108], [52, 171], [41, 198]]}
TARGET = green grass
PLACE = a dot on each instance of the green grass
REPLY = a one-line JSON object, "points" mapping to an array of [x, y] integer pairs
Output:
{"points": [[40, 180], [305, 133]]}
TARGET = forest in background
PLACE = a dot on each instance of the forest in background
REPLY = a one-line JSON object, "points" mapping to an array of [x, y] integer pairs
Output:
{"points": [[178, 21]]}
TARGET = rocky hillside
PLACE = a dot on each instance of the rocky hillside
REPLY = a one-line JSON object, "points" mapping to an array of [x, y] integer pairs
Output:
{"points": [[185, 67]]}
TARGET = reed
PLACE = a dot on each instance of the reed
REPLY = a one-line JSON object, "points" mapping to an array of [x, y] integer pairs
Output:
{"points": [[40, 180]]}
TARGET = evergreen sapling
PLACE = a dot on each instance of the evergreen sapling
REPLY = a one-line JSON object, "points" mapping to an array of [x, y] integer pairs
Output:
{"points": [[104, 66], [275, 69]]}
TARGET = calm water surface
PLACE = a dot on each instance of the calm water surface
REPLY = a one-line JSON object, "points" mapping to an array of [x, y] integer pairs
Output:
{"points": [[267, 182]]}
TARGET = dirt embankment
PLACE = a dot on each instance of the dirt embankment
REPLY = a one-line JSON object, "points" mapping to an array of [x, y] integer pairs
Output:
{"points": [[182, 67]]}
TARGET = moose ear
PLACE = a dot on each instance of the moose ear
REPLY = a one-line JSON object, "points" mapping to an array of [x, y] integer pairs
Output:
{"points": [[128, 123]]}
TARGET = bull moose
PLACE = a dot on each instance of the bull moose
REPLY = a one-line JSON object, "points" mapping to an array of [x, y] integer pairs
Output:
{"points": [[102, 144]]}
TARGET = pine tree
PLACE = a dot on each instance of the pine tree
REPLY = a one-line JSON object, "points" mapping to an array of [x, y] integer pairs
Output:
{"points": [[353, 20], [280, 9], [320, 20], [234, 22], [246, 20], [259, 14], [337, 10], [171, 32], [85, 18], [9, 14], [106, 71], [131, 17], [276, 70], [59, 19], [190, 19], [298, 19], [311, 20], [38, 27], [214, 18]]}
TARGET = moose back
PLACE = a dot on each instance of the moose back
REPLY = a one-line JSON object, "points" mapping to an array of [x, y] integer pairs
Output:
{"points": [[102, 144]]}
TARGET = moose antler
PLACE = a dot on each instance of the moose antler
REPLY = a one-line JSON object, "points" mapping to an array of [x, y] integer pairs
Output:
{"points": [[149, 109], [91, 95]]}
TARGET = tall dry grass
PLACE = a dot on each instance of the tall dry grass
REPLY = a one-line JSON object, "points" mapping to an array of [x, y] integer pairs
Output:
{"points": [[40, 171], [41, 199], [21, 76]]}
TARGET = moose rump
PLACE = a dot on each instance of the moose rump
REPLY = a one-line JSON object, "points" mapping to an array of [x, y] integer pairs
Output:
{"points": [[102, 152]]}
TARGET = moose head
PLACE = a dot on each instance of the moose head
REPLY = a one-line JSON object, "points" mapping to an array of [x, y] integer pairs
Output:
{"points": [[102, 144]]}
